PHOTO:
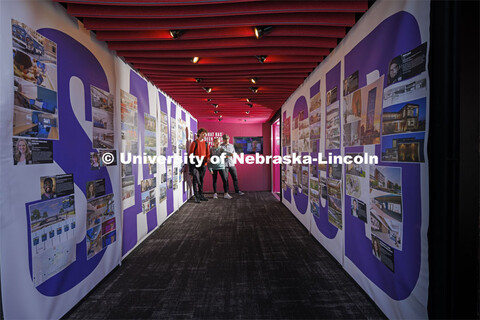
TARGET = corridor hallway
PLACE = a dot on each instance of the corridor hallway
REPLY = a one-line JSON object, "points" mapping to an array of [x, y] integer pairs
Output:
{"points": [[246, 258]]}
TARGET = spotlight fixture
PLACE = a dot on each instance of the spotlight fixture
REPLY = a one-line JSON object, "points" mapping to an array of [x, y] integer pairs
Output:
{"points": [[208, 100], [247, 99], [198, 80], [195, 59], [176, 33], [216, 111], [215, 105], [220, 116], [254, 89], [261, 59], [219, 119], [253, 80], [208, 89], [250, 105], [247, 112], [261, 31]]}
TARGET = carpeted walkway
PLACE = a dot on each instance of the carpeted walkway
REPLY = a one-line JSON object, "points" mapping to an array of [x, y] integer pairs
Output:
{"points": [[246, 258]]}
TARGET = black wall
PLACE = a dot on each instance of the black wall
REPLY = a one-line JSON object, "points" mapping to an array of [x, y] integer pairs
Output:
{"points": [[453, 150]]}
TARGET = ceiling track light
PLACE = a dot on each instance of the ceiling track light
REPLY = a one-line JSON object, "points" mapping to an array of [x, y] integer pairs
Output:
{"points": [[254, 89], [261, 31], [208, 100], [247, 112], [261, 59], [207, 89], [253, 80], [215, 105], [247, 99], [175, 34], [216, 111], [219, 119], [195, 59], [198, 80], [250, 105]]}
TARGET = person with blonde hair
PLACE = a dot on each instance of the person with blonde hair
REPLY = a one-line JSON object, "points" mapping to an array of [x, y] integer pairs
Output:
{"points": [[22, 154], [219, 167]]}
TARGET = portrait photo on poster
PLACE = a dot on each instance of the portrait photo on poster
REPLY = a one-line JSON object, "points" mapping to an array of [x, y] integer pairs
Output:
{"points": [[56, 186], [32, 151]]}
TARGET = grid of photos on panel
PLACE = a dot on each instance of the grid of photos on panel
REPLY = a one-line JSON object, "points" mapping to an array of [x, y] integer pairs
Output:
{"points": [[101, 224], [300, 143], [315, 120], [286, 170], [362, 115], [333, 179], [396, 120], [35, 110], [362, 109], [52, 227], [52, 219], [182, 142], [129, 120], [149, 186], [163, 152], [100, 219]]}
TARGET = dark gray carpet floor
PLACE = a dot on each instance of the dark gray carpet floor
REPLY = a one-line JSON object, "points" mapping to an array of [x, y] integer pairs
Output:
{"points": [[246, 258]]}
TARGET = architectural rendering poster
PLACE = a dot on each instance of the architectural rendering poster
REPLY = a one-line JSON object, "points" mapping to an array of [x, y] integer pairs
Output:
{"points": [[372, 217], [58, 107], [35, 84], [150, 140], [52, 225], [100, 224], [103, 118], [163, 133], [129, 122], [63, 209]]}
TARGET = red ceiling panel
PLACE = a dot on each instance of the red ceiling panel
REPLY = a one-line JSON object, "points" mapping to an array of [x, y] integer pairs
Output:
{"points": [[217, 10], [237, 52], [225, 43], [235, 32], [225, 61], [234, 67], [299, 35], [315, 19]]}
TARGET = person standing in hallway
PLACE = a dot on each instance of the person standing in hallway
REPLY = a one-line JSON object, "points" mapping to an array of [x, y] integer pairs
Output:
{"points": [[219, 168], [230, 163], [199, 148]]}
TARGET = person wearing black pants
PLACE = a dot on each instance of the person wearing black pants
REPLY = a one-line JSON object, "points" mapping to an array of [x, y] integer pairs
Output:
{"points": [[230, 163], [200, 149], [223, 176], [198, 174], [218, 166]]}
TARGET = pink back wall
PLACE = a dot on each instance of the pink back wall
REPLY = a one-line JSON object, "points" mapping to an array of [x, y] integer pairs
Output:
{"points": [[251, 177]]}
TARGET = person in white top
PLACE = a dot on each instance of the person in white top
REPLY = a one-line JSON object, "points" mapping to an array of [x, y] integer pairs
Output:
{"points": [[230, 163]]}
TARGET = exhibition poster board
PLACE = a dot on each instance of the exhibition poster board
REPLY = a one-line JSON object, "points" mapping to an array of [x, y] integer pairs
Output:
{"points": [[369, 96], [71, 210]]}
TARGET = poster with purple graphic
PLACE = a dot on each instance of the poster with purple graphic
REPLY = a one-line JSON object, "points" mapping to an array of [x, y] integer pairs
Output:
{"points": [[372, 217]]}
